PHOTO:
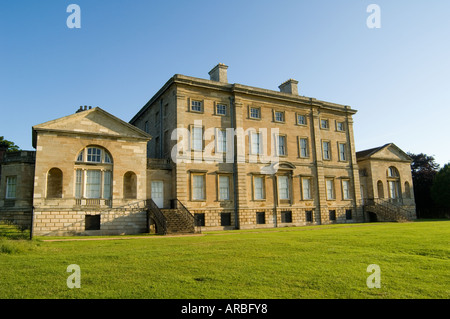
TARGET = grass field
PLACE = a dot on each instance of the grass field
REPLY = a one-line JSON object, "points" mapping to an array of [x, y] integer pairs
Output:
{"points": [[287, 263]]}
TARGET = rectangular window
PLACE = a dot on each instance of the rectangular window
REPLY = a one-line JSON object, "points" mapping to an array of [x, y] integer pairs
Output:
{"points": [[146, 127], [332, 214], [348, 214], [221, 109], [196, 106], [256, 140], [78, 183], [279, 116], [258, 187], [283, 187], [221, 141], [303, 144], [340, 126], [199, 219], [255, 113], [11, 185], [301, 119], [286, 217], [224, 187], [225, 219], [326, 149], [345, 189], [281, 147], [198, 187], [308, 216], [330, 189], [306, 188], [107, 184], [260, 218], [93, 183], [393, 189], [342, 152], [324, 124], [197, 138]]}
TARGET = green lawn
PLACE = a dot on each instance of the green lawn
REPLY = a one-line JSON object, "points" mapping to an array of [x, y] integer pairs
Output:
{"points": [[287, 263]]}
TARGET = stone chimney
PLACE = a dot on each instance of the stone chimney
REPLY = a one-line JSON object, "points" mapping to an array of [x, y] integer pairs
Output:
{"points": [[81, 109], [290, 86], [219, 73]]}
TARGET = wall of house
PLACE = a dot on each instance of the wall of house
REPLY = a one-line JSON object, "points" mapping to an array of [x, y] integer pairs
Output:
{"points": [[67, 214]]}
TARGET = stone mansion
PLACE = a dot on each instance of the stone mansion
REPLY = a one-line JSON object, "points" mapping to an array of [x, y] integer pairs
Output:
{"points": [[203, 154]]}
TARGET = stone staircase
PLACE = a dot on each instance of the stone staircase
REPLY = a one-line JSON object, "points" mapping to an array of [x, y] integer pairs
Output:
{"points": [[386, 211], [177, 222]]}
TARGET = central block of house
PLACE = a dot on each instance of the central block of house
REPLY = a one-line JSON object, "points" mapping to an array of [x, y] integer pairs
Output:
{"points": [[246, 157]]}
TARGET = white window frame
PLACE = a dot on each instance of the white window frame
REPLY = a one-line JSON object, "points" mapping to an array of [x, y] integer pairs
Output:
{"points": [[342, 128], [198, 191], [342, 152], [258, 111], [256, 139], [221, 107], [196, 104], [224, 187], [304, 119], [346, 195], [259, 190], [196, 141], [306, 188], [329, 186], [281, 148], [284, 190], [279, 116], [305, 148], [221, 141], [326, 151], [326, 122]]}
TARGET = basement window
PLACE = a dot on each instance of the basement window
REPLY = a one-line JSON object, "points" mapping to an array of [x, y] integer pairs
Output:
{"points": [[286, 217], [92, 222]]}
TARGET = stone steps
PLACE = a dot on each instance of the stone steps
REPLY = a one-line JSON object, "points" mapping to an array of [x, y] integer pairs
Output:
{"points": [[177, 222]]}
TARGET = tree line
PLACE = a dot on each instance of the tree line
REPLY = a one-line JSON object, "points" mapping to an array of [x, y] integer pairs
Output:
{"points": [[431, 186]]}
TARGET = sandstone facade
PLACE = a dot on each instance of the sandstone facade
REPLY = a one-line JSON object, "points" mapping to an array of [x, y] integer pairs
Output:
{"points": [[235, 156]]}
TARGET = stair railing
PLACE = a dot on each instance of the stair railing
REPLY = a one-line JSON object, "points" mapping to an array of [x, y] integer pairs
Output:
{"points": [[391, 210], [187, 215], [156, 214]]}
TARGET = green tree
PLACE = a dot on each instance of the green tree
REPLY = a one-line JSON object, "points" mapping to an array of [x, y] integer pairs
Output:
{"points": [[10, 146], [440, 191], [423, 170]]}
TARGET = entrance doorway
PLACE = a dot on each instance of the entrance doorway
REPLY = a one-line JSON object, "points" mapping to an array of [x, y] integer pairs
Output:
{"points": [[158, 193]]}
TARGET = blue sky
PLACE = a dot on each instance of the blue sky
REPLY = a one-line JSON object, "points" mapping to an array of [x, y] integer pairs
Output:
{"points": [[396, 76]]}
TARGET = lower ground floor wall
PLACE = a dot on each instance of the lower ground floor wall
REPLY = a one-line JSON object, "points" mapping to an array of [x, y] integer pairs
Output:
{"points": [[219, 219], [90, 223], [18, 217]]}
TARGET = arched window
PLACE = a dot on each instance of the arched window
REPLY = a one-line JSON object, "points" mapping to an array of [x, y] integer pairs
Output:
{"points": [[130, 185], [54, 183], [392, 172], [93, 174], [407, 190], [380, 189], [94, 154]]}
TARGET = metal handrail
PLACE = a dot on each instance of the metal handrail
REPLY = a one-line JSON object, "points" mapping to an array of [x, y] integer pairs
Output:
{"points": [[158, 216], [189, 218]]}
